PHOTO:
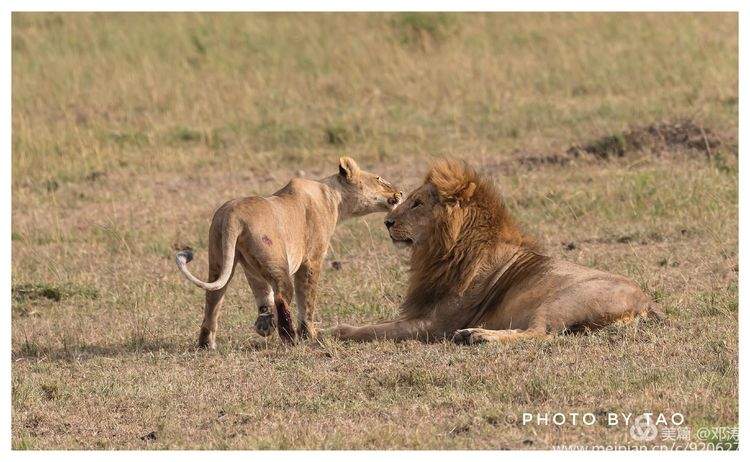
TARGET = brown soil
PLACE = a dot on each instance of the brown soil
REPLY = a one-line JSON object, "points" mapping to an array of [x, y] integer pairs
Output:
{"points": [[656, 138]]}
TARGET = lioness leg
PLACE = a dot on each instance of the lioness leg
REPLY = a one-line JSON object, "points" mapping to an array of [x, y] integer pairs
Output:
{"points": [[282, 287], [478, 335], [214, 300], [263, 293], [271, 266], [306, 291]]}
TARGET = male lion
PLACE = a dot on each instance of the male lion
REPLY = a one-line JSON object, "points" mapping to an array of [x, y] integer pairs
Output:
{"points": [[475, 277], [284, 235]]}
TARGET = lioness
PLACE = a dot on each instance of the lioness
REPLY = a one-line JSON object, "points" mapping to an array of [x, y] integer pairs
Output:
{"points": [[284, 235], [475, 277]]}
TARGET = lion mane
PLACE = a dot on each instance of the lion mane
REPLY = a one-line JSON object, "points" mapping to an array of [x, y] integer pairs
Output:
{"points": [[472, 225]]}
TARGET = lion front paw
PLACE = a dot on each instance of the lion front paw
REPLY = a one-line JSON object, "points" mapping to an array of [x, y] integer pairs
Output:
{"points": [[265, 324], [341, 331], [470, 336]]}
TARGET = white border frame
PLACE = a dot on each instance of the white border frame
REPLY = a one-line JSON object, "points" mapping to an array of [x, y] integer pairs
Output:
{"points": [[338, 5]]}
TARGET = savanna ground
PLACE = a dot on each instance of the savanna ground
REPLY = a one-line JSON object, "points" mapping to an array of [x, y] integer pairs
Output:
{"points": [[130, 129]]}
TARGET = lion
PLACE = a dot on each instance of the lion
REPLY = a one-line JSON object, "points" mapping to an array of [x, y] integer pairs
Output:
{"points": [[281, 237], [476, 277]]}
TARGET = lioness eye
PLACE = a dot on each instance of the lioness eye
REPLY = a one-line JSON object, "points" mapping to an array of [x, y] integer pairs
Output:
{"points": [[416, 204], [381, 180]]}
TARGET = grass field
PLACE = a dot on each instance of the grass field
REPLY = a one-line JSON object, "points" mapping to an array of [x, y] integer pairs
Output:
{"points": [[130, 129]]}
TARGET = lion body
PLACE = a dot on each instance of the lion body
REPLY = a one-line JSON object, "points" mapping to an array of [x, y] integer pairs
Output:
{"points": [[476, 277], [279, 238]]}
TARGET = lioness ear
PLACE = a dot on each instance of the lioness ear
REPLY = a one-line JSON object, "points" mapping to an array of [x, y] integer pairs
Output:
{"points": [[348, 169]]}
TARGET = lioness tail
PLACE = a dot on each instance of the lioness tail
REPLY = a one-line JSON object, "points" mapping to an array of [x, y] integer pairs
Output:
{"points": [[183, 257]]}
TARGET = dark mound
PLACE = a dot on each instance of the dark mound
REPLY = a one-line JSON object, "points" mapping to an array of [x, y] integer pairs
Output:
{"points": [[656, 138]]}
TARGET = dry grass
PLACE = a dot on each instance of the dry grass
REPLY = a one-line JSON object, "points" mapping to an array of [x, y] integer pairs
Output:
{"points": [[117, 118]]}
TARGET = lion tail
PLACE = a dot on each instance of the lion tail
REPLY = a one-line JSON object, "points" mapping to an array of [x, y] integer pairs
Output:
{"points": [[229, 243]]}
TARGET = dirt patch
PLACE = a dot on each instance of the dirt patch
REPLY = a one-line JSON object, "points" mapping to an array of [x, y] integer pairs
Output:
{"points": [[656, 138], [634, 238], [659, 139], [533, 160], [28, 292], [27, 298]]}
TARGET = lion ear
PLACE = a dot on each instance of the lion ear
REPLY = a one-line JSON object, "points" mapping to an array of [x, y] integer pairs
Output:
{"points": [[467, 193], [348, 169], [459, 195]]}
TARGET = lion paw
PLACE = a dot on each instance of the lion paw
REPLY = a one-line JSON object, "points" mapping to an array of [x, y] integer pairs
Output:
{"points": [[340, 332], [265, 324], [470, 336]]}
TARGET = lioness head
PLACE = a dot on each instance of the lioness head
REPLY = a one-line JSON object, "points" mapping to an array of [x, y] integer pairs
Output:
{"points": [[436, 210], [365, 192]]}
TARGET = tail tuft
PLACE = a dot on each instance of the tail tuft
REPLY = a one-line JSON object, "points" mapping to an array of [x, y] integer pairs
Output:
{"points": [[184, 256]]}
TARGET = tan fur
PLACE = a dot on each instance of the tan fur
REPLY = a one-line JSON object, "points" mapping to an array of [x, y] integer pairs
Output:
{"points": [[283, 236], [476, 277]]}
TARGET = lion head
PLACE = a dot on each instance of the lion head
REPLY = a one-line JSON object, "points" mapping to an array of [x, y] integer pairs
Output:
{"points": [[454, 203], [451, 223]]}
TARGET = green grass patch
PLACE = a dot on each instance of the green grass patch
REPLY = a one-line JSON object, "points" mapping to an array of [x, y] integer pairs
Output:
{"points": [[38, 291], [423, 28]]}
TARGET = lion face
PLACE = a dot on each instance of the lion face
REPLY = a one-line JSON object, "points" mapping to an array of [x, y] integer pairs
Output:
{"points": [[366, 192], [409, 223], [434, 214]]}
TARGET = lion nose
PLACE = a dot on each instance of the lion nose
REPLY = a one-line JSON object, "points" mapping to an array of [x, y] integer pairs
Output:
{"points": [[389, 223]]}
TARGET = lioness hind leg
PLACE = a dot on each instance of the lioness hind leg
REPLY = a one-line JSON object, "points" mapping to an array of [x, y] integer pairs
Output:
{"points": [[263, 293], [272, 268], [265, 323], [285, 326], [214, 300], [282, 287], [475, 335]]}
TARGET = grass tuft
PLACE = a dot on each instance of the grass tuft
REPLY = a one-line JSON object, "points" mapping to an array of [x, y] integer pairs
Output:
{"points": [[336, 135], [425, 29]]}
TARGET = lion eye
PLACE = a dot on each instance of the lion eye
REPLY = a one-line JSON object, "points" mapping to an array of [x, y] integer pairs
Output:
{"points": [[416, 204], [382, 181]]}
